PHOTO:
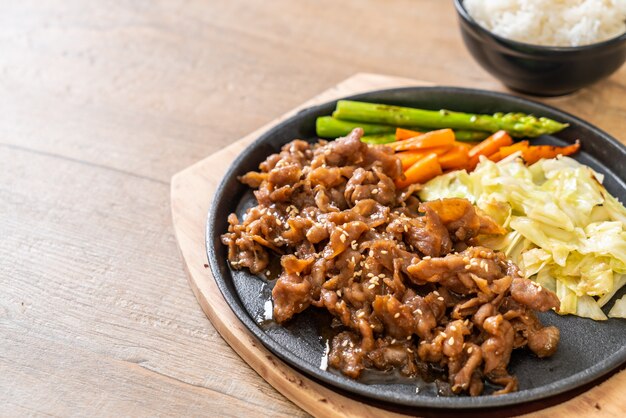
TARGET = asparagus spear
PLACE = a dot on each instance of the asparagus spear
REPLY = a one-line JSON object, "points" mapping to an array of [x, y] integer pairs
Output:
{"points": [[516, 124], [329, 127], [379, 139], [469, 136]]}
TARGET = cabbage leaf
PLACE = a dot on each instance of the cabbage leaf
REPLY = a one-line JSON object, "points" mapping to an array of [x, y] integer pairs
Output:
{"points": [[565, 230]]}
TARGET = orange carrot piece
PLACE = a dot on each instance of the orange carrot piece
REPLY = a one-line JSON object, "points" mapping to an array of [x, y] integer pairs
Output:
{"points": [[420, 172], [456, 158], [518, 146], [496, 156], [430, 139], [468, 145], [402, 134], [489, 146], [533, 154], [409, 158]]}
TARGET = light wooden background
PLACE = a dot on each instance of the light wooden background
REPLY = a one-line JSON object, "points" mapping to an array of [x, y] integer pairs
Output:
{"points": [[101, 102]]}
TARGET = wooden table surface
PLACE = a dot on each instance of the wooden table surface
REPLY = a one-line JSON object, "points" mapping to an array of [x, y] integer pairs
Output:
{"points": [[100, 104]]}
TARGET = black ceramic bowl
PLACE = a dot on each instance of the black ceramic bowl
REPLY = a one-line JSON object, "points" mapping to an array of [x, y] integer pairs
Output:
{"points": [[540, 70]]}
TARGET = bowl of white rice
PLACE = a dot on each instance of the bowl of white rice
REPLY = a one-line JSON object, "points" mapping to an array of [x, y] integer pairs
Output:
{"points": [[545, 47]]}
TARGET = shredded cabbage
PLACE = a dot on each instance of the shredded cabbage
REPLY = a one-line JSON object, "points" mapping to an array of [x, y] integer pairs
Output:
{"points": [[565, 230], [619, 308]]}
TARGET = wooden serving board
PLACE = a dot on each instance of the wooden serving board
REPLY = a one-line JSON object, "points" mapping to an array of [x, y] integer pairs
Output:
{"points": [[191, 195]]}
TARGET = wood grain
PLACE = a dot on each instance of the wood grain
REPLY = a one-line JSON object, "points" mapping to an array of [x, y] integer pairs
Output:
{"points": [[192, 191], [100, 104]]}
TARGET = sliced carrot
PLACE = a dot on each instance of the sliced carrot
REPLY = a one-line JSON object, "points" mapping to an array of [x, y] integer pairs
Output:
{"points": [[496, 156], [518, 146], [420, 172], [409, 158], [468, 145], [402, 134], [536, 152], [489, 146], [456, 158], [430, 139]]}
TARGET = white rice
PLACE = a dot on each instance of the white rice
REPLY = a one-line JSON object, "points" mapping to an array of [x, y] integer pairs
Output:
{"points": [[551, 22]]}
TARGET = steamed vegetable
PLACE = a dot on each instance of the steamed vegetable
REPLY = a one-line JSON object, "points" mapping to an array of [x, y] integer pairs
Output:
{"points": [[402, 134], [378, 139], [516, 124], [455, 158], [489, 146], [440, 138], [534, 153], [565, 230], [329, 127], [423, 170], [409, 158], [460, 134]]}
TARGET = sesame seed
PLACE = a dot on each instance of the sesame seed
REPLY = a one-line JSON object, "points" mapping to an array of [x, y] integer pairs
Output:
{"points": [[371, 253], [381, 275], [467, 267], [419, 311], [427, 257], [409, 337], [344, 343], [342, 238], [354, 245], [469, 350], [409, 350], [375, 191], [451, 341], [436, 293], [361, 314], [384, 252], [452, 327], [370, 274], [267, 273], [440, 298], [339, 293], [406, 228], [372, 326], [397, 315], [393, 341], [371, 286]]}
